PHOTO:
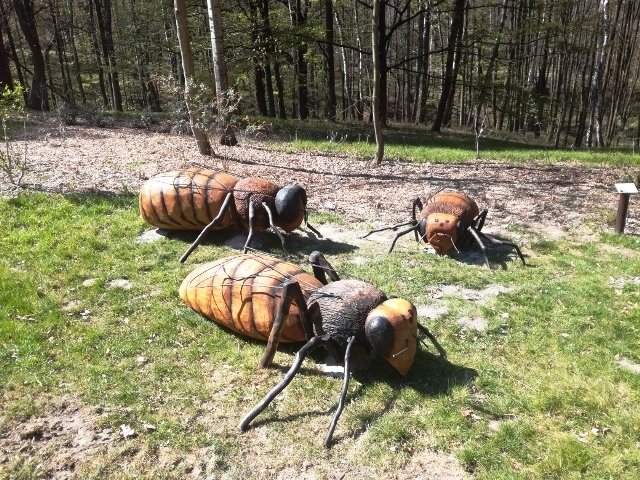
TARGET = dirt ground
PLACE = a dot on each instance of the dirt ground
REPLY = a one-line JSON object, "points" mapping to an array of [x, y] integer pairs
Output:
{"points": [[530, 202], [550, 200]]}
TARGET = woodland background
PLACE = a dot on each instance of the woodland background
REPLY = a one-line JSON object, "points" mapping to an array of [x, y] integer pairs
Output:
{"points": [[565, 71]]}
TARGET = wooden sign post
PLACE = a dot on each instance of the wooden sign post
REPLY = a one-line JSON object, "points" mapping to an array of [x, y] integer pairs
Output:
{"points": [[625, 190]]}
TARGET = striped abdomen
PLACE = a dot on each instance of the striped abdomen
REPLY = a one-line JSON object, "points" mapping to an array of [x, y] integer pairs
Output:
{"points": [[243, 293], [186, 199]]}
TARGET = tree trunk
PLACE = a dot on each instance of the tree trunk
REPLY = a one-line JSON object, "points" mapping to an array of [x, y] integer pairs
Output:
{"points": [[38, 94], [258, 71], [96, 51], [594, 132], [60, 50], [184, 39], [346, 86], [298, 19], [103, 12], [5, 71], [282, 109], [448, 81], [377, 75], [220, 71], [488, 75], [331, 76], [380, 51], [14, 54], [71, 41], [422, 76]]}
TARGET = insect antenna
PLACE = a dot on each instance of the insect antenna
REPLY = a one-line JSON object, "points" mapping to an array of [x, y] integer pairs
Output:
{"points": [[425, 331]]}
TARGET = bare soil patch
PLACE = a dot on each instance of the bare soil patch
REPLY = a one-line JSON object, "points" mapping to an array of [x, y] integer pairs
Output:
{"points": [[54, 443], [543, 199]]}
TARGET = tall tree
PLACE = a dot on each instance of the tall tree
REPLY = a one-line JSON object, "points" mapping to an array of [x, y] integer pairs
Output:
{"points": [[451, 69], [220, 71], [103, 13], [377, 84], [298, 14], [38, 94], [329, 54], [5, 72], [184, 38]]}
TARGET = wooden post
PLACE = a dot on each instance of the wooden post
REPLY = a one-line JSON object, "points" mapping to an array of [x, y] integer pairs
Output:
{"points": [[625, 190], [621, 215]]}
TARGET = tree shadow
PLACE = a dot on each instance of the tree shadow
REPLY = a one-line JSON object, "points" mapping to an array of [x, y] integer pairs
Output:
{"points": [[90, 196]]}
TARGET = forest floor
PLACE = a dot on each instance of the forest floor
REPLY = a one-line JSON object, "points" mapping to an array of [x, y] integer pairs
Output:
{"points": [[525, 202], [546, 201]]}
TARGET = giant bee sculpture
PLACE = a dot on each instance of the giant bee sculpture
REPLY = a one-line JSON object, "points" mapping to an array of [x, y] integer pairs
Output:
{"points": [[209, 200], [268, 299], [449, 220]]}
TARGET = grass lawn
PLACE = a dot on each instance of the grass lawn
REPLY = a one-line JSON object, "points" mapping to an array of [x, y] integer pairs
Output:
{"points": [[539, 393], [418, 144]]}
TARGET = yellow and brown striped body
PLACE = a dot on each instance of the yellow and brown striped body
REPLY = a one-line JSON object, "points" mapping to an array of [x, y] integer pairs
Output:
{"points": [[186, 199], [243, 293], [445, 213]]}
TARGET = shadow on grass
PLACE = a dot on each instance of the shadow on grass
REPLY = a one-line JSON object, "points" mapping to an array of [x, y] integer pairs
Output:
{"points": [[499, 255], [470, 178], [395, 134], [430, 375], [298, 245]]}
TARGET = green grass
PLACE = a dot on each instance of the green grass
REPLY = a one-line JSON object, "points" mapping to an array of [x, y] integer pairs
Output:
{"points": [[519, 400], [418, 144]]}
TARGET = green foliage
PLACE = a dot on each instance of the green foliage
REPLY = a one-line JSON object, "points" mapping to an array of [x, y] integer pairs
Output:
{"points": [[12, 163], [11, 103]]}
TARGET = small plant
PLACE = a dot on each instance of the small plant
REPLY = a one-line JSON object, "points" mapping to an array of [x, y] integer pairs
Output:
{"points": [[67, 113], [12, 163], [210, 116]]}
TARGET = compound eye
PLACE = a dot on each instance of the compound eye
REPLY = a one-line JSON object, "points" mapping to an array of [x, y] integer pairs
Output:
{"points": [[290, 201], [380, 334]]}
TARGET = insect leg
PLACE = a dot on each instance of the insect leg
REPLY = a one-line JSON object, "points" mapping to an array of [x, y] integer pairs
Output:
{"points": [[273, 227], [495, 241], [312, 344], [417, 204], [343, 394], [251, 222], [425, 330], [478, 222], [413, 228], [391, 227], [308, 225], [482, 246], [205, 230], [321, 268], [291, 293]]}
